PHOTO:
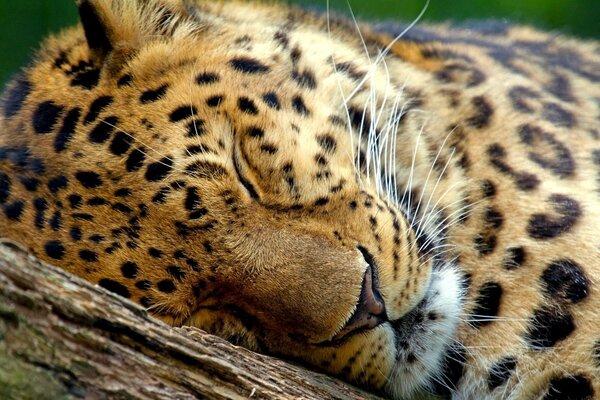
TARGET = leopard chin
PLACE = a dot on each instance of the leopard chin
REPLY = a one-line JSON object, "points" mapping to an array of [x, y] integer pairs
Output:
{"points": [[425, 337]]}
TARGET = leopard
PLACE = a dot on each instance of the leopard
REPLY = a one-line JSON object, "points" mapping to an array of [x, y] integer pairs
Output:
{"points": [[411, 207]]}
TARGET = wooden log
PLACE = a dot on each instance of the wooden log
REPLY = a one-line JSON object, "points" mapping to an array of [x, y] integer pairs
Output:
{"points": [[64, 338]]}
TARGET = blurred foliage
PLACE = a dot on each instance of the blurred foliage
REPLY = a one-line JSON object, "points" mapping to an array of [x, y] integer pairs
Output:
{"points": [[23, 23]]}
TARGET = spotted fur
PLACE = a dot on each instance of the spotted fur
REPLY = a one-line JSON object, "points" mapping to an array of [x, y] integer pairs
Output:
{"points": [[412, 208]]}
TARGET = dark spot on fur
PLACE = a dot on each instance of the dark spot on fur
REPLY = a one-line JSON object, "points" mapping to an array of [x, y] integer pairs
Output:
{"points": [[249, 65], [321, 201], [89, 179], [66, 132], [295, 55], [197, 149], [88, 256], [183, 112], [75, 201], [572, 387], [205, 169], [125, 80], [120, 144], [256, 132], [214, 101], [115, 287], [55, 249], [176, 273], [519, 96], [56, 221], [161, 196], [207, 78], [514, 258], [57, 183], [565, 279], [14, 211], [75, 233], [351, 70], [299, 106], [45, 117], [596, 353], [129, 269], [271, 100], [166, 286], [544, 226], [487, 304], [150, 96], [146, 301], [16, 96], [103, 130], [461, 74], [560, 86], [97, 238], [268, 148], [179, 254], [198, 213], [86, 79], [488, 188], [97, 201], [122, 208], [493, 218], [30, 184], [195, 128], [159, 170], [483, 113], [305, 79], [247, 106], [359, 120], [143, 285], [557, 115], [548, 326], [524, 181], [452, 371], [156, 253], [192, 199], [135, 160], [83, 216], [327, 143], [485, 243], [40, 205], [22, 159], [544, 144], [5, 183], [501, 372]]}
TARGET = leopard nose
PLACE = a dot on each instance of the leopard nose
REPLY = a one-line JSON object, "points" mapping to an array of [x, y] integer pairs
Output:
{"points": [[370, 310]]}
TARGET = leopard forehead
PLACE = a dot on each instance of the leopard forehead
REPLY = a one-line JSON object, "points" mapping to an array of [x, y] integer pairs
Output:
{"points": [[218, 83]]}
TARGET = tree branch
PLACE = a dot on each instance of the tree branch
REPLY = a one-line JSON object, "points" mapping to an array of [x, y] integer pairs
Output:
{"points": [[63, 338]]}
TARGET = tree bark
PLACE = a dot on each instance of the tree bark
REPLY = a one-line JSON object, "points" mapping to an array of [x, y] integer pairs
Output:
{"points": [[63, 338]]}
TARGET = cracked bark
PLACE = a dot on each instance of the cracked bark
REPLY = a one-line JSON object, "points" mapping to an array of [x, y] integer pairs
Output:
{"points": [[63, 338]]}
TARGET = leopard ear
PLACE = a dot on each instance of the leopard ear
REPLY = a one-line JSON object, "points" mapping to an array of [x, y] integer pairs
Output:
{"points": [[98, 25], [120, 26]]}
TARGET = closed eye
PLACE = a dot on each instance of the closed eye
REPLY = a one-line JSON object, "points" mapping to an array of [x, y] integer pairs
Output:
{"points": [[245, 183]]}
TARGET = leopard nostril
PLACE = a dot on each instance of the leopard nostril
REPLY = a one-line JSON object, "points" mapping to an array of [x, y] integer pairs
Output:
{"points": [[370, 310]]}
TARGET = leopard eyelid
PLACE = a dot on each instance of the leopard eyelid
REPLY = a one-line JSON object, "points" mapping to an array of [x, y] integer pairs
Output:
{"points": [[243, 181]]}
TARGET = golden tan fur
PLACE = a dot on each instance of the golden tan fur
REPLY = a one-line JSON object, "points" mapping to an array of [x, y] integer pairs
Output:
{"points": [[246, 164]]}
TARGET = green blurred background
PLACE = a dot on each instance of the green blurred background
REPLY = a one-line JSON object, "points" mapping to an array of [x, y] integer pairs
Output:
{"points": [[24, 22]]}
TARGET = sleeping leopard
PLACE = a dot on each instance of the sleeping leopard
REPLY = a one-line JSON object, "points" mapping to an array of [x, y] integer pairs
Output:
{"points": [[412, 208]]}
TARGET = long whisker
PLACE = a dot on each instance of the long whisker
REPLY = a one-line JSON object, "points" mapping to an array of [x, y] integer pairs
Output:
{"points": [[438, 179]]}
